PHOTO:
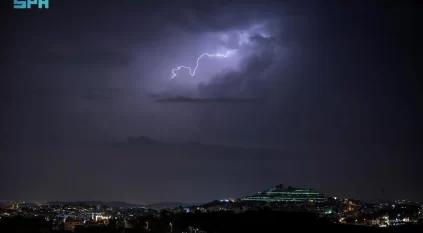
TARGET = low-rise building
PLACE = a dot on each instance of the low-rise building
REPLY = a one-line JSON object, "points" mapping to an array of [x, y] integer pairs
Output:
{"points": [[70, 225]]}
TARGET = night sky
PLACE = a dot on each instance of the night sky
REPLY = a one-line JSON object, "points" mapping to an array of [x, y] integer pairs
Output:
{"points": [[313, 94]]}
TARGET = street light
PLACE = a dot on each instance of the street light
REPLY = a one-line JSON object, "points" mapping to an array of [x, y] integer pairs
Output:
{"points": [[147, 225], [170, 227]]}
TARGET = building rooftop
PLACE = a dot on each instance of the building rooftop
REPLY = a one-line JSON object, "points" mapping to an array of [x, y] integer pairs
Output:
{"points": [[280, 194]]}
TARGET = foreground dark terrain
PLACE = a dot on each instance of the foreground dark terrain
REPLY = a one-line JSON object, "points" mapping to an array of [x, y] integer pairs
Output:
{"points": [[218, 222]]}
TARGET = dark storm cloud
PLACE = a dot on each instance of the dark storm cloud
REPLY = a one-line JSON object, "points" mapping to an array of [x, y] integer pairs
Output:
{"points": [[104, 94], [222, 16], [183, 99], [80, 56], [195, 162], [246, 82], [342, 106]]}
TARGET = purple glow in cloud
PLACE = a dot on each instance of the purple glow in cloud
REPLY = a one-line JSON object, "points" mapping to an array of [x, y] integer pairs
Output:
{"points": [[192, 71]]}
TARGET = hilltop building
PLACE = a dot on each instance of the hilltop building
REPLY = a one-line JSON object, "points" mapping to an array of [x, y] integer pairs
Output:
{"points": [[286, 195]]}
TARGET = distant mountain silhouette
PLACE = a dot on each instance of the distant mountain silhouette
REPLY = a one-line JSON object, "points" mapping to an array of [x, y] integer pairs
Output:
{"points": [[163, 205], [121, 204], [106, 203], [141, 140]]}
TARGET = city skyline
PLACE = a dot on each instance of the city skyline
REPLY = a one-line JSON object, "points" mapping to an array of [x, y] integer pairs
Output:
{"points": [[244, 197]]}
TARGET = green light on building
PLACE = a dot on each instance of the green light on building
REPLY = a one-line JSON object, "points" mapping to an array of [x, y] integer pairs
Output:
{"points": [[280, 194]]}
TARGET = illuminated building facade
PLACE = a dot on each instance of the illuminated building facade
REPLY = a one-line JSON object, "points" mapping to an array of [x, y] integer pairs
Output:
{"points": [[280, 194], [72, 224]]}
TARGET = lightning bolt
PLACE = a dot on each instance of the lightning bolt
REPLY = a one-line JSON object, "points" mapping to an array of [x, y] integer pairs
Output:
{"points": [[192, 71]]}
